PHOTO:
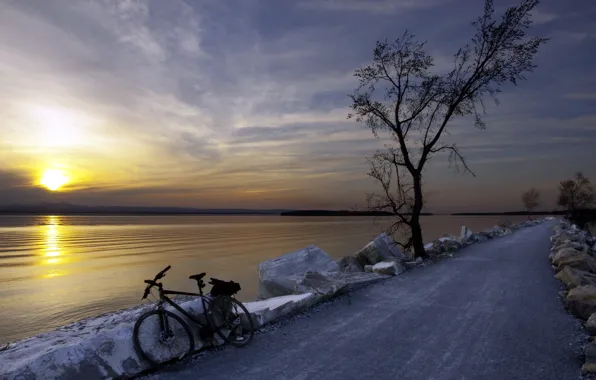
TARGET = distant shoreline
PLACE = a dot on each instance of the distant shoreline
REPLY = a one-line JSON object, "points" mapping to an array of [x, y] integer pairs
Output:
{"points": [[509, 213], [338, 213], [82, 210]]}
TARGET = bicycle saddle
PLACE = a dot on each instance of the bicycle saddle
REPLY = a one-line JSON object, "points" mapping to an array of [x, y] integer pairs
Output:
{"points": [[197, 276]]}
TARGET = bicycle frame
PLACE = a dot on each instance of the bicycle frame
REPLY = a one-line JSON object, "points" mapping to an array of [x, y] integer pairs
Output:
{"points": [[204, 300]]}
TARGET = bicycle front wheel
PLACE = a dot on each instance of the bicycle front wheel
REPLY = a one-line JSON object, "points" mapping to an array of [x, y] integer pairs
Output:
{"points": [[160, 336], [231, 321]]}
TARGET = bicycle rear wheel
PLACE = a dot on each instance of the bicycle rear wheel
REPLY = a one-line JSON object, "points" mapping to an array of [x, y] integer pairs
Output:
{"points": [[231, 321], [160, 336]]}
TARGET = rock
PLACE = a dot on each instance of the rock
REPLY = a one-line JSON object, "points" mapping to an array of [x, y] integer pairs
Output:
{"points": [[368, 268], [278, 277], [391, 268], [355, 281], [436, 248], [505, 231], [578, 260], [349, 264], [563, 237], [569, 244], [319, 284], [591, 324], [414, 263], [465, 233], [263, 312], [478, 238], [493, 232], [581, 301], [590, 358], [487, 234], [573, 278], [380, 249], [451, 246], [564, 253], [447, 238], [560, 238]]}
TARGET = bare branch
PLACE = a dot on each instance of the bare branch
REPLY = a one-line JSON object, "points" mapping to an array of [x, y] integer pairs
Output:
{"points": [[454, 156]]}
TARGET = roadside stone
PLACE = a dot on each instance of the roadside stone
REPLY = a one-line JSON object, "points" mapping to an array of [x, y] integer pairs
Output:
{"points": [[565, 236], [451, 245], [581, 301], [349, 264], [391, 268], [568, 244], [355, 281], [590, 358], [478, 238], [572, 278], [487, 234], [414, 263], [381, 248], [465, 233], [278, 277], [577, 260], [591, 324], [434, 248], [505, 232], [318, 283], [563, 254], [561, 237]]}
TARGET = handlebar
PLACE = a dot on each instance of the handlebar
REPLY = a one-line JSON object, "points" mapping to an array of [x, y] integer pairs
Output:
{"points": [[162, 273], [152, 283]]}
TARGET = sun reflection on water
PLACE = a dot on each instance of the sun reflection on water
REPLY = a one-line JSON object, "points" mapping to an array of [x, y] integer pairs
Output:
{"points": [[52, 251]]}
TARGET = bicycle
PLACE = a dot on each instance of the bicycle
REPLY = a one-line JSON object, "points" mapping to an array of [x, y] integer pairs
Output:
{"points": [[175, 339]]}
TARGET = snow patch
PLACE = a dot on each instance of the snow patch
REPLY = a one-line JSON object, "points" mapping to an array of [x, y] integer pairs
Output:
{"points": [[274, 303]]}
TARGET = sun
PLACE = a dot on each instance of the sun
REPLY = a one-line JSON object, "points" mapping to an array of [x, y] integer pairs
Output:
{"points": [[54, 179]]}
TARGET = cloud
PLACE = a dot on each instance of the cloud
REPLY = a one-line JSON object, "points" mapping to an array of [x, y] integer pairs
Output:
{"points": [[541, 17], [581, 96], [177, 103], [378, 7], [16, 188]]}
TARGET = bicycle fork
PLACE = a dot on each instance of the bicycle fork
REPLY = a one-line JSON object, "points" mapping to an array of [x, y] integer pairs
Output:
{"points": [[164, 325]]}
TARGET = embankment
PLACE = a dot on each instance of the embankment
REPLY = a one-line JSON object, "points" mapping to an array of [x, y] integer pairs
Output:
{"points": [[101, 347]]}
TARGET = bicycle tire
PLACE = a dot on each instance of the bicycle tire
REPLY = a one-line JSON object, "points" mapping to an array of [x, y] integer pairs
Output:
{"points": [[217, 310], [170, 317]]}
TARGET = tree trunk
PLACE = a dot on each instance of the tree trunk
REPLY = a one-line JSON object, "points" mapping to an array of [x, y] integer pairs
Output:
{"points": [[417, 242]]}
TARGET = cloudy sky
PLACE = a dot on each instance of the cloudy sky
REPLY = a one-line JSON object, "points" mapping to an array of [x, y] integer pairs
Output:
{"points": [[242, 103]]}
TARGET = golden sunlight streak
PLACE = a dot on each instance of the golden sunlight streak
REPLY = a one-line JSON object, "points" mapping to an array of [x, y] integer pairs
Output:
{"points": [[52, 251], [54, 179]]}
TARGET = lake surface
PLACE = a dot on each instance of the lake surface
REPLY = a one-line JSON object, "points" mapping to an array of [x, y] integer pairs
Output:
{"points": [[58, 269]]}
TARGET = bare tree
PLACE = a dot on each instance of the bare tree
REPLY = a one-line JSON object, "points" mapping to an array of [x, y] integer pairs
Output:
{"points": [[400, 98], [531, 199], [576, 193]]}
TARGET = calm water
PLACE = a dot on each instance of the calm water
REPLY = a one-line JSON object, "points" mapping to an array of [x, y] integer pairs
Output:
{"points": [[58, 269]]}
